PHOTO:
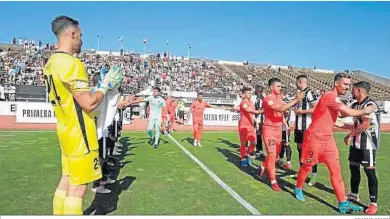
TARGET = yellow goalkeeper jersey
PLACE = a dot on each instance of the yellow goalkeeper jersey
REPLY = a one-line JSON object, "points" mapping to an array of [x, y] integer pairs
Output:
{"points": [[76, 129]]}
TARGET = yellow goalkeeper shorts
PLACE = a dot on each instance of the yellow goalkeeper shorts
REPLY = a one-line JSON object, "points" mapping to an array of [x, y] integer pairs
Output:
{"points": [[82, 170]]}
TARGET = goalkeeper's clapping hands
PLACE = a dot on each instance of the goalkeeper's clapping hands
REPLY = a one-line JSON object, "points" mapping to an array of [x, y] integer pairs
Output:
{"points": [[108, 80]]}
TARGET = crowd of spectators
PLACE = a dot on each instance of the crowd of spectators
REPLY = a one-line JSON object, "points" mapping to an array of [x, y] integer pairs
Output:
{"points": [[22, 64]]}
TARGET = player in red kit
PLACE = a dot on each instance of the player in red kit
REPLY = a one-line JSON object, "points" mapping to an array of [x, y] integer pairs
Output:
{"points": [[274, 108], [319, 145], [197, 110], [246, 129]]}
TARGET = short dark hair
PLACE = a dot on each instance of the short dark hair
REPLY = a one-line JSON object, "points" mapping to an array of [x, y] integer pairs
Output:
{"points": [[245, 89], [62, 23], [301, 77], [258, 89], [157, 88], [273, 81], [339, 76], [200, 93], [363, 84], [95, 78]]}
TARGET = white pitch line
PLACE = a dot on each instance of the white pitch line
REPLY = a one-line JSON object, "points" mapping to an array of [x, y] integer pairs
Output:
{"points": [[234, 194]]}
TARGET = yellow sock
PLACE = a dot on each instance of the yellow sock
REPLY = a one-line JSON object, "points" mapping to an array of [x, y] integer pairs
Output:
{"points": [[58, 202], [73, 206]]}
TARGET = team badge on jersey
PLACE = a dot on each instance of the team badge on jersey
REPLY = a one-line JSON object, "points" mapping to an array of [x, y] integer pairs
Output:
{"points": [[270, 102], [81, 85]]}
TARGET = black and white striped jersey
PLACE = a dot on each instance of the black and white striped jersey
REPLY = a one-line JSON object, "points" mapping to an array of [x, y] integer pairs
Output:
{"points": [[289, 116], [258, 106], [369, 139], [303, 121]]}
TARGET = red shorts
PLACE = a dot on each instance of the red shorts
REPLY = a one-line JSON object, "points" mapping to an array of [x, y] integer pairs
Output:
{"points": [[272, 139], [247, 134], [315, 150]]}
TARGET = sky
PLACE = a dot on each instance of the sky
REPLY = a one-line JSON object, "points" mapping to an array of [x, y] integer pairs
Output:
{"points": [[329, 35]]}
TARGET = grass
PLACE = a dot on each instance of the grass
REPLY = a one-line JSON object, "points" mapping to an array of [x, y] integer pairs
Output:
{"points": [[167, 182]]}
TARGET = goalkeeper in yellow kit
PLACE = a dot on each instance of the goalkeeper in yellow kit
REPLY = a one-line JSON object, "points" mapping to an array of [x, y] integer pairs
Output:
{"points": [[69, 93]]}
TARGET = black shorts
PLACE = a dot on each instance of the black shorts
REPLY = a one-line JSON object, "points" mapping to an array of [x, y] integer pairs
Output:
{"points": [[298, 136], [258, 131], [285, 137], [181, 114], [367, 158], [109, 144]]}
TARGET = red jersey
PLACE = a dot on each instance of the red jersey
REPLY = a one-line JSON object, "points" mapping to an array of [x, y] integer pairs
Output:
{"points": [[164, 113], [168, 103], [173, 107], [325, 115], [246, 118], [198, 110], [273, 118]]}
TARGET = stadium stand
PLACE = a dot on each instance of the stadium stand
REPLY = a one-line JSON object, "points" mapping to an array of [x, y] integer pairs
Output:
{"points": [[21, 73]]}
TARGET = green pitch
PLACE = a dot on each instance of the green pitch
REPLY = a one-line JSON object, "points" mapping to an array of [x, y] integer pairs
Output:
{"points": [[167, 182]]}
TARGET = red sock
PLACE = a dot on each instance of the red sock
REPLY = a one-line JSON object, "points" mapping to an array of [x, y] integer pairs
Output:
{"points": [[242, 152], [336, 179], [302, 175], [271, 166], [251, 148]]}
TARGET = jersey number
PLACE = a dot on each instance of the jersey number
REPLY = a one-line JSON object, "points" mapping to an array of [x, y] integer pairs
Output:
{"points": [[51, 86], [96, 163], [272, 144]]}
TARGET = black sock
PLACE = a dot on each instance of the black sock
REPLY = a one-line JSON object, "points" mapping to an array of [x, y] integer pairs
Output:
{"points": [[355, 178], [96, 183], [288, 152], [259, 145], [314, 169], [281, 154], [372, 184]]}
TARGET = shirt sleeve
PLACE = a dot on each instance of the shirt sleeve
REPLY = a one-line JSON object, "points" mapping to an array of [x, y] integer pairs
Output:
{"points": [[246, 107], [147, 99], [163, 103], [76, 77], [311, 96], [373, 114], [334, 102]]}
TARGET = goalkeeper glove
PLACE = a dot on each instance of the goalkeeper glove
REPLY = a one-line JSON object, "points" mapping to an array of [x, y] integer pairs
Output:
{"points": [[110, 79]]}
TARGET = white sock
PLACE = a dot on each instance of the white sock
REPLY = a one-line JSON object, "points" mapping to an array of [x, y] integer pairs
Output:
{"points": [[376, 204], [273, 181]]}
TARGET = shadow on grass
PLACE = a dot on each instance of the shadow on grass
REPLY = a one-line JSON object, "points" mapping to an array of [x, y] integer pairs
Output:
{"points": [[253, 171], [285, 172], [107, 203]]}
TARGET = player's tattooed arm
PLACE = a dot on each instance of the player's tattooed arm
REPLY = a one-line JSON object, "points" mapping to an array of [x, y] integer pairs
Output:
{"points": [[285, 123], [88, 101], [363, 126]]}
